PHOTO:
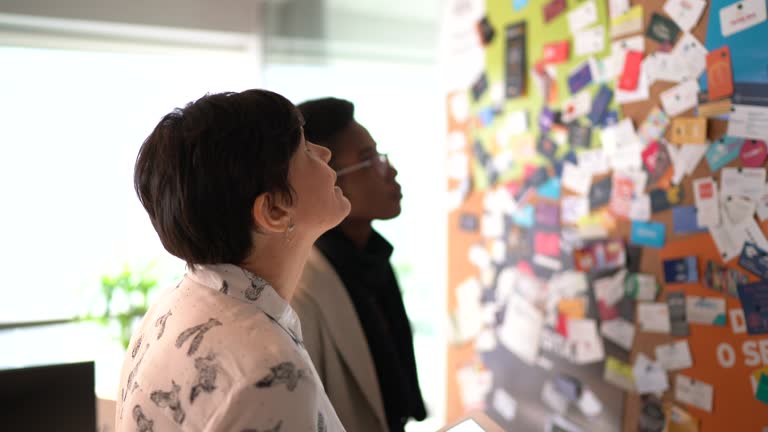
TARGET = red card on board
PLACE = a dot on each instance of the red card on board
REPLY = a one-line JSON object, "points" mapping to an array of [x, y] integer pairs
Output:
{"points": [[631, 73], [556, 52], [553, 9]]}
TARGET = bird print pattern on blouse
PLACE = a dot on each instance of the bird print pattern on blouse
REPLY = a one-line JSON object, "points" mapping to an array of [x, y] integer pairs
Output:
{"points": [[136, 346], [190, 381], [170, 400], [143, 424], [207, 369], [274, 429], [320, 422], [201, 330], [284, 373], [160, 322], [258, 284]]}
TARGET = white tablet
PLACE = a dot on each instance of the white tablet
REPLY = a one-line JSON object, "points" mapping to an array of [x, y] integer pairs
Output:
{"points": [[475, 421]]}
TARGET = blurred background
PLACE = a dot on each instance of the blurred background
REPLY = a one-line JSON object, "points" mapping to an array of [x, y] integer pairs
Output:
{"points": [[83, 82]]}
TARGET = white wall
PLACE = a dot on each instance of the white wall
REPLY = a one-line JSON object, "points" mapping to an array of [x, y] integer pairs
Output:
{"points": [[311, 31]]}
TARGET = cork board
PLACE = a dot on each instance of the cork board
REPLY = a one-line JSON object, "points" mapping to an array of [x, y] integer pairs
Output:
{"points": [[733, 407]]}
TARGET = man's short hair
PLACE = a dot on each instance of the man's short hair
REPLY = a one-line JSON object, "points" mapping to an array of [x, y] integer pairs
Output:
{"points": [[325, 119]]}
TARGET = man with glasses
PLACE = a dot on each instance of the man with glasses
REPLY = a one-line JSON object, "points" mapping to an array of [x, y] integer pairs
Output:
{"points": [[352, 316]]}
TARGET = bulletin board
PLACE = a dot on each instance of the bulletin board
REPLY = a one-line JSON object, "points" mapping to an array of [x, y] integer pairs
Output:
{"points": [[721, 358]]}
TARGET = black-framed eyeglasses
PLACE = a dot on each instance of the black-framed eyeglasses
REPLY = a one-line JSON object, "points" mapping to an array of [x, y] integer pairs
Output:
{"points": [[380, 161]]}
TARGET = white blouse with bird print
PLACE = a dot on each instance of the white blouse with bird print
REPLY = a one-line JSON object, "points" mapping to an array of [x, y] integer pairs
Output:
{"points": [[221, 352]]}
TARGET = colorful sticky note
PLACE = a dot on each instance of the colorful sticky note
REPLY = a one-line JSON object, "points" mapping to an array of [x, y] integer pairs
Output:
{"points": [[550, 189], [684, 220], [754, 301], [525, 217], [762, 389], [519, 4], [723, 151], [651, 234]]}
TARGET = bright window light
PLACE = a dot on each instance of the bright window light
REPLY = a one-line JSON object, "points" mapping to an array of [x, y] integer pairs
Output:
{"points": [[71, 125]]}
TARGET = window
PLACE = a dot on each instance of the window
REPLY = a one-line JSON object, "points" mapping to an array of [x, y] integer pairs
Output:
{"points": [[72, 124]]}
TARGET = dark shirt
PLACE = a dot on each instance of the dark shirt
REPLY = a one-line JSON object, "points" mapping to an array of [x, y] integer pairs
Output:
{"points": [[370, 281]]}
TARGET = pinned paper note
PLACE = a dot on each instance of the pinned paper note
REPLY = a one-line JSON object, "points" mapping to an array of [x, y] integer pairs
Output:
{"points": [[504, 404], [573, 208], [662, 66], [577, 106], [738, 209], [705, 194], [582, 16], [642, 287], [747, 182], [619, 374], [694, 392], [576, 179], [741, 15], [589, 41], [585, 342], [521, 329], [629, 23], [674, 356], [748, 121], [618, 8], [685, 13], [705, 310], [650, 377], [469, 317], [589, 404], [474, 383], [619, 331], [653, 317], [680, 98], [691, 53], [610, 289]]}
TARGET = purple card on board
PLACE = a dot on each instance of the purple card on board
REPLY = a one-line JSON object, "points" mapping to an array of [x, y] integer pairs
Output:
{"points": [[579, 78], [600, 105]]}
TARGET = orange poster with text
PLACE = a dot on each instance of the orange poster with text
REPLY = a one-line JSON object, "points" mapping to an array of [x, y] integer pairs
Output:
{"points": [[721, 357]]}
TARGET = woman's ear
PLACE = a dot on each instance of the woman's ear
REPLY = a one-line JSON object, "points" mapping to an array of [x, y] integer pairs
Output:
{"points": [[270, 213]]}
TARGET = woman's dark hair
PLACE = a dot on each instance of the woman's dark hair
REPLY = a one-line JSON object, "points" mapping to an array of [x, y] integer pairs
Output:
{"points": [[325, 118], [200, 170]]}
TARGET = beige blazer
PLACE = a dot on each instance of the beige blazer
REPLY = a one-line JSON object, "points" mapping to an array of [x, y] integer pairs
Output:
{"points": [[338, 347]]}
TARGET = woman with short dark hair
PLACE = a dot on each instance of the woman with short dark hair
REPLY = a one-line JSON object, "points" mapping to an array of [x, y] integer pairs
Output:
{"points": [[233, 188]]}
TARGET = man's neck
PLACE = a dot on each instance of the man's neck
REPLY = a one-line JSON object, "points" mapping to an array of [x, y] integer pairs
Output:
{"points": [[358, 231]]}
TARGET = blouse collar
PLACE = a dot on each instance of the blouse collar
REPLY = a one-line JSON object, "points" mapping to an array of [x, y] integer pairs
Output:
{"points": [[243, 285]]}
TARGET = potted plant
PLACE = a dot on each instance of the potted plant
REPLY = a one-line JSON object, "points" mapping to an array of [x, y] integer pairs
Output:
{"points": [[125, 296]]}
